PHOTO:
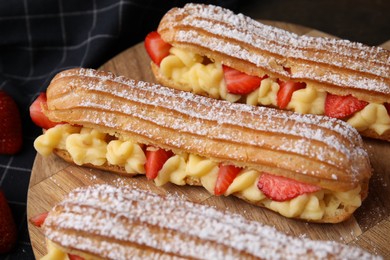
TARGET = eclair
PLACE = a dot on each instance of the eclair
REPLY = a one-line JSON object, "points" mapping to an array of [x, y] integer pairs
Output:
{"points": [[108, 222], [211, 51], [302, 166]]}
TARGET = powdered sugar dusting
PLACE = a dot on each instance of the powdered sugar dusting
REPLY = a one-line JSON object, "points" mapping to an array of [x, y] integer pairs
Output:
{"points": [[210, 26], [302, 133], [125, 214]]}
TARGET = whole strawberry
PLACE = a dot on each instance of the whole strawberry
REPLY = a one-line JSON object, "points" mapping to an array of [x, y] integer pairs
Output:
{"points": [[10, 125], [8, 233]]}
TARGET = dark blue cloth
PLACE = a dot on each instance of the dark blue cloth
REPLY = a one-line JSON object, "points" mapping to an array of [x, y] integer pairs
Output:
{"points": [[39, 38]]}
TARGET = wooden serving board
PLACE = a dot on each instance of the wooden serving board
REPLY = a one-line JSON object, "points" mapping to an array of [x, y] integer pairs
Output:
{"points": [[369, 228]]}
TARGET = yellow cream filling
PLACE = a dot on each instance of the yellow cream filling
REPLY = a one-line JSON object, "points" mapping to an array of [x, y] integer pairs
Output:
{"points": [[83, 144], [308, 101], [373, 116], [193, 73], [56, 252], [265, 95]]}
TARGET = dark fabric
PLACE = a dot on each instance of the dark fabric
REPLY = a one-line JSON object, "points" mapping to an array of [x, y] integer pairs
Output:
{"points": [[39, 38]]}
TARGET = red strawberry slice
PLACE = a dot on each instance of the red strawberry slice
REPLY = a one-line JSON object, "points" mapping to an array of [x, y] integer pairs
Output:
{"points": [[226, 175], [286, 89], [342, 106], [38, 220], [155, 159], [387, 106], [75, 257], [238, 82], [8, 232], [10, 124], [280, 188], [156, 47], [37, 115]]}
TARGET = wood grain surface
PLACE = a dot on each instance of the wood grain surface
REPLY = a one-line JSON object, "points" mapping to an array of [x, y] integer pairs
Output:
{"points": [[369, 228]]}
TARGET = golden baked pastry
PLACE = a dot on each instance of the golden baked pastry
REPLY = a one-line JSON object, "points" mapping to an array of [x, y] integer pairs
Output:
{"points": [[301, 166], [108, 222], [308, 75]]}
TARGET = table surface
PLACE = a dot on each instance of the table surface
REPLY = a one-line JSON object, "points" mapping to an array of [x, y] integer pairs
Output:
{"points": [[364, 21]]}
